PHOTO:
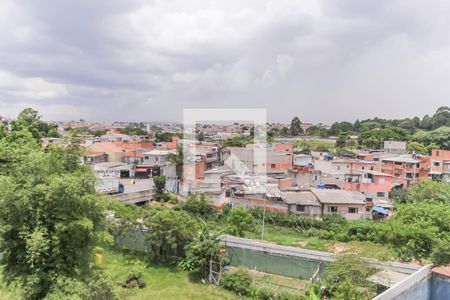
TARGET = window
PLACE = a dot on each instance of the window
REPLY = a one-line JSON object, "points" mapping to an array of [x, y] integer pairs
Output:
{"points": [[352, 210], [338, 168], [332, 209], [381, 181], [315, 177], [363, 168], [301, 208], [380, 194], [371, 168], [436, 164], [272, 166], [146, 157]]}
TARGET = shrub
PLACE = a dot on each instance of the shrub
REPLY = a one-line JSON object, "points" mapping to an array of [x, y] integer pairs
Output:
{"points": [[441, 255], [346, 273], [160, 188], [135, 275], [199, 205], [292, 221], [239, 220], [239, 282]]}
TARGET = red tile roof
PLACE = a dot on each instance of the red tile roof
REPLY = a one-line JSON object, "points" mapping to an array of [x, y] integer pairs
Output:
{"points": [[109, 147]]}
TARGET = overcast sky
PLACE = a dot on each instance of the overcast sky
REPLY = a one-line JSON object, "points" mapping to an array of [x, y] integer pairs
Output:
{"points": [[323, 60]]}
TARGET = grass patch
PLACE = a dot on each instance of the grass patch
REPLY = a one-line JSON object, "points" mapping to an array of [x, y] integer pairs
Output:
{"points": [[290, 237], [162, 281]]}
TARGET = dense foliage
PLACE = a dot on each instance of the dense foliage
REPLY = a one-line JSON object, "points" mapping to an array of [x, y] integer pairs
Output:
{"points": [[50, 215], [347, 278], [169, 231], [239, 220]]}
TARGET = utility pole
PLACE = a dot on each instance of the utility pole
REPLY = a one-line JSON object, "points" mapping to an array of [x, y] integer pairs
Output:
{"points": [[263, 219]]}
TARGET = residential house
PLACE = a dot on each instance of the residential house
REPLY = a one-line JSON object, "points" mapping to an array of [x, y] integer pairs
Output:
{"points": [[407, 169], [348, 204], [395, 147], [114, 135], [168, 145], [305, 177], [93, 157], [440, 165], [303, 203], [284, 147], [276, 162], [373, 184], [155, 163], [338, 168], [115, 153], [215, 155]]}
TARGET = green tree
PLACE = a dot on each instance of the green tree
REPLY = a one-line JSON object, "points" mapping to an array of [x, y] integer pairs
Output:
{"points": [[347, 275], [296, 128], [357, 126], [201, 136], [50, 217], [239, 220], [284, 132], [29, 119], [177, 160], [201, 251], [169, 232], [439, 137], [160, 188], [342, 141], [416, 228], [198, 204], [417, 148], [430, 190]]}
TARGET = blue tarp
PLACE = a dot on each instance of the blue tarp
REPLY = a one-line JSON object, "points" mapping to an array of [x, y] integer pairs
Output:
{"points": [[380, 210]]}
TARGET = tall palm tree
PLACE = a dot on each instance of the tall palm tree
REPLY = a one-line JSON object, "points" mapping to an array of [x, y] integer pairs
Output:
{"points": [[177, 160]]}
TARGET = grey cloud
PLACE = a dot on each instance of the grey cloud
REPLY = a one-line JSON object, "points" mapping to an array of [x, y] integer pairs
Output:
{"points": [[147, 60]]}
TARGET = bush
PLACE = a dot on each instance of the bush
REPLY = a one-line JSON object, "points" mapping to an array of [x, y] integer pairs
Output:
{"points": [[284, 220], [100, 288], [135, 275], [199, 205], [239, 282], [441, 255], [160, 188], [239, 220], [348, 273]]}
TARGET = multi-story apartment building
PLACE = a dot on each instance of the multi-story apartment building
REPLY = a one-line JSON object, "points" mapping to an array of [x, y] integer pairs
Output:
{"points": [[406, 169], [440, 165]]}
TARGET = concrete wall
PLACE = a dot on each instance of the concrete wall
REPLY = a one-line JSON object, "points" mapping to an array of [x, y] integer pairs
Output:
{"points": [[440, 287], [313, 211], [342, 210], [422, 285], [414, 287]]}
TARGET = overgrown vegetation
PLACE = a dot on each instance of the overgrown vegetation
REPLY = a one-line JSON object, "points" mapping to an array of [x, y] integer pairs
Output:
{"points": [[50, 216]]}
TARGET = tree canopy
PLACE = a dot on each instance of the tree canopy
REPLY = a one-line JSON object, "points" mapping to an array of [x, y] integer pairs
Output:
{"points": [[50, 214]]}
